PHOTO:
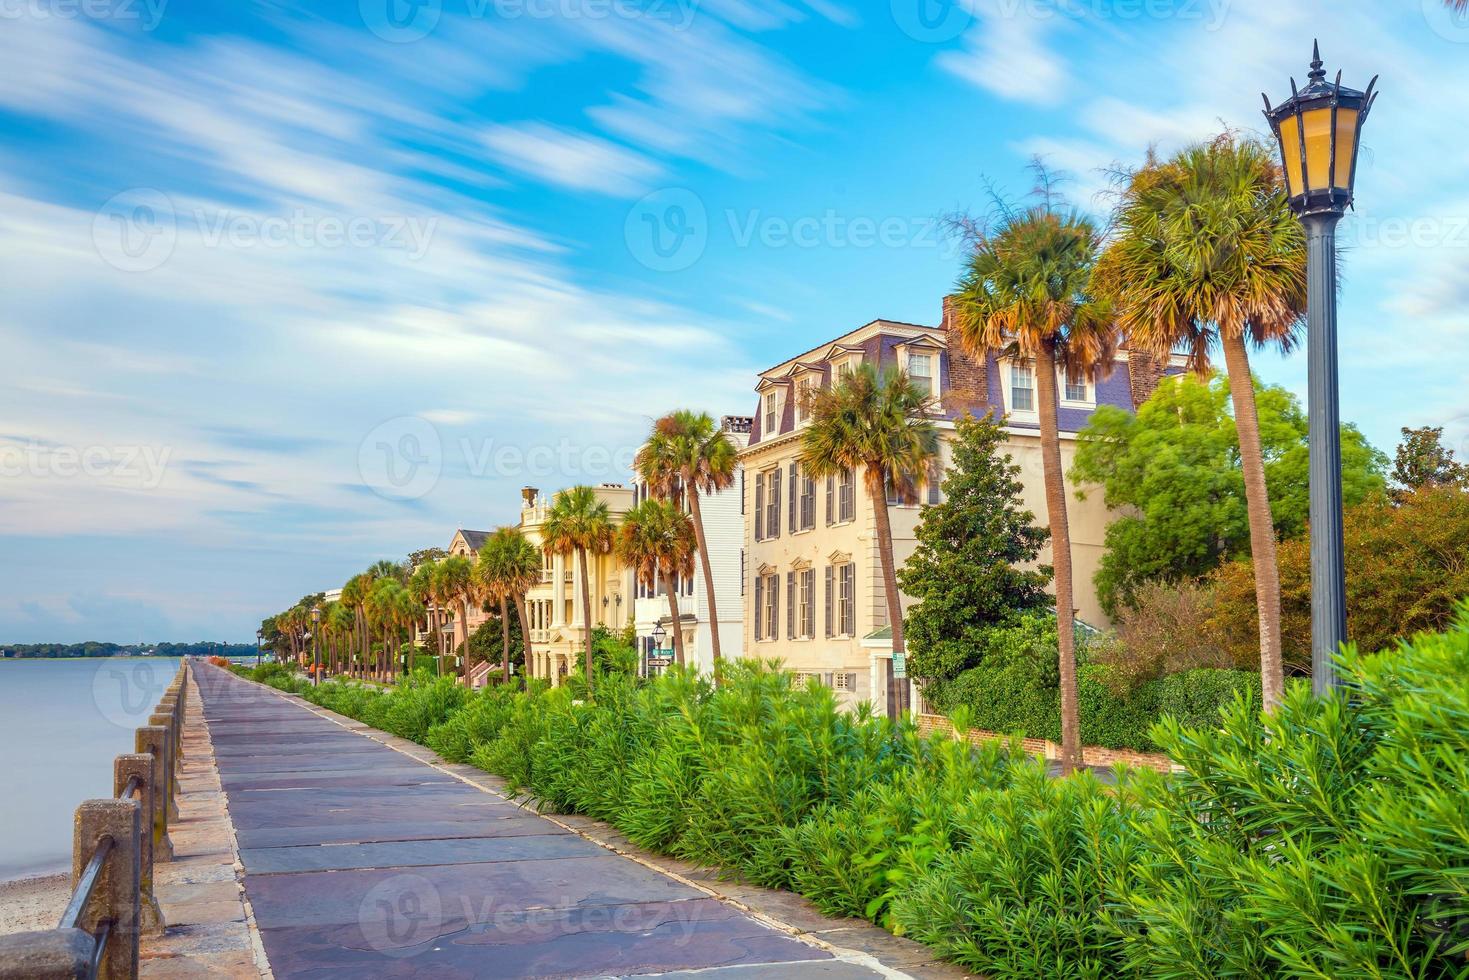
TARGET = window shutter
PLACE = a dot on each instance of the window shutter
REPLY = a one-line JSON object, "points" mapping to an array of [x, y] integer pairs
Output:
{"points": [[774, 624], [808, 627], [759, 606], [831, 485], [829, 624], [759, 506], [790, 605], [849, 600], [795, 496], [772, 516]]}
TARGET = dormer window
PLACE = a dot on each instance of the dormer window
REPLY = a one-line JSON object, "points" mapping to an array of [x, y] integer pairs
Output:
{"points": [[920, 372], [772, 412], [1077, 389], [805, 388], [1022, 387]]}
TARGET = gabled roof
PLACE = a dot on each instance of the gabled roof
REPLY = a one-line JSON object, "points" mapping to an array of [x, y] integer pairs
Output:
{"points": [[475, 539]]}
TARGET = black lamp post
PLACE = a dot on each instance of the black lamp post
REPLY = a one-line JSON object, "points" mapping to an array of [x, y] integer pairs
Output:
{"points": [[315, 645], [1319, 129], [259, 639], [659, 635]]}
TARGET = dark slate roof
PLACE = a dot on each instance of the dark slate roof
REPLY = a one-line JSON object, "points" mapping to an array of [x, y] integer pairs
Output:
{"points": [[474, 538]]}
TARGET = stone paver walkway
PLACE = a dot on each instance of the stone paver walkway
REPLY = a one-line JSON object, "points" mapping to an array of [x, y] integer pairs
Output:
{"points": [[363, 855]]}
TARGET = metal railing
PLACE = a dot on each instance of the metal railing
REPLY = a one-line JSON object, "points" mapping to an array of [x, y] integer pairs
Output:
{"points": [[116, 844]]}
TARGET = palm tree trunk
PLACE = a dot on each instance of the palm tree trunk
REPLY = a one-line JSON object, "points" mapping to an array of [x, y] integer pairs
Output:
{"points": [[677, 624], [524, 632], [698, 516], [504, 640], [586, 613], [464, 614], [1257, 505], [877, 490], [1046, 394]]}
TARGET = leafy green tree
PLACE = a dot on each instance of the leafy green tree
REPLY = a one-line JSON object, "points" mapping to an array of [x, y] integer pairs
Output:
{"points": [[1407, 568], [1206, 255], [876, 425], [1173, 472], [1422, 460], [425, 556], [657, 541], [1026, 296], [687, 456], [580, 524], [974, 565]]}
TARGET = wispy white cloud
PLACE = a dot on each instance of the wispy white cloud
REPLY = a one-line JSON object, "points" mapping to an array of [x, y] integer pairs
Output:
{"points": [[1007, 51], [570, 159]]}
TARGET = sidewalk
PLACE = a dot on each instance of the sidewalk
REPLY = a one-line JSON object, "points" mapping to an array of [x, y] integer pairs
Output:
{"points": [[365, 855]]}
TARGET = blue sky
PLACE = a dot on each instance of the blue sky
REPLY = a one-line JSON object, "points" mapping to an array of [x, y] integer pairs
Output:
{"points": [[284, 292]]}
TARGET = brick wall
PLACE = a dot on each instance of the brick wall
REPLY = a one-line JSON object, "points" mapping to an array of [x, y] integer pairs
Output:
{"points": [[1092, 755], [969, 383], [1144, 372]]}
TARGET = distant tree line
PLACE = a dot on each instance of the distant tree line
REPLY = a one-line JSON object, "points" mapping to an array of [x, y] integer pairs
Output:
{"points": [[93, 648]]}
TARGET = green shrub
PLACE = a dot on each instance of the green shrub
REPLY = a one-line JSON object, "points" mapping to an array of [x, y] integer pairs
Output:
{"points": [[1329, 839]]}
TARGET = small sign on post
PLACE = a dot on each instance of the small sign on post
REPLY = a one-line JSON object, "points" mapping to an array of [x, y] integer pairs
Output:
{"points": [[900, 664]]}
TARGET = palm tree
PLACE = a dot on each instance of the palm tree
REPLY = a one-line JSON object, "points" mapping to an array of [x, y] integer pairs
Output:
{"points": [[1024, 295], [421, 586], [490, 579], [456, 580], [579, 523], [513, 564], [657, 540], [879, 425], [341, 622], [1206, 253], [354, 597], [688, 455]]}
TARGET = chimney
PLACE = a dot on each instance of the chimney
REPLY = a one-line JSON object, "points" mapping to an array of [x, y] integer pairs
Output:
{"points": [[948, 311], [529, 495]]}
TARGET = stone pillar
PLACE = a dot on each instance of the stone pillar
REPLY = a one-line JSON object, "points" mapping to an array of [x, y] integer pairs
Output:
{"points": [[124, 768], [152, 741], [170, 763], [116, 894]]}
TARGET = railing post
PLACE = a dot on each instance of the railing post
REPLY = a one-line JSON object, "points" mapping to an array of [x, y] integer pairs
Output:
{"points": [[116, 899], [163, 721], [53, 954], [141, 767], [152, 740]]}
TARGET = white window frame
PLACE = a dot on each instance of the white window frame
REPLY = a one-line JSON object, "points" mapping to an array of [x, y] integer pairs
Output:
{"points": [[1007, 386], [931, 377], [1088, 386], [773, 412], [804, 388]]}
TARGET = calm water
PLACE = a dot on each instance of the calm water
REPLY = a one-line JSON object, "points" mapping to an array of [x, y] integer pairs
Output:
{"points": [[61, 722]]}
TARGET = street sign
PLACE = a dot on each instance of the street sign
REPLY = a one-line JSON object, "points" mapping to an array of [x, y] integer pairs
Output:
{"points": [[660, 661], [900, 665]]}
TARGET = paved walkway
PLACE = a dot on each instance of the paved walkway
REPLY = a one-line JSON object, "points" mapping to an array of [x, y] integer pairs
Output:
{"points": [[363, 856]]}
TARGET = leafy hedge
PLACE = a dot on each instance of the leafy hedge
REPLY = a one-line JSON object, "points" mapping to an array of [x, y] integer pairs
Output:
{"points": [[1016, 690], [1329, 839]]}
